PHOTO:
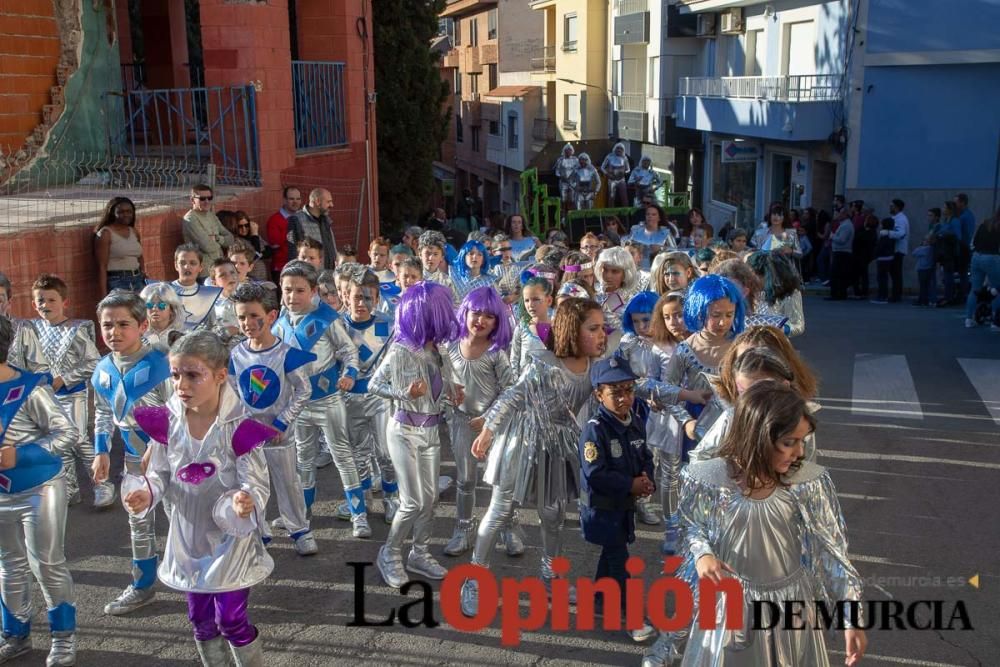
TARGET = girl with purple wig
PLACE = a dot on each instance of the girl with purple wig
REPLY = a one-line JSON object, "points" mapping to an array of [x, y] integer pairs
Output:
{"points": [[481, 366], [416, 378]]}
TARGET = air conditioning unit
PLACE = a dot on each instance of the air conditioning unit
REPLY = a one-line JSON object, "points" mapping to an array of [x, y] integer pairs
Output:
{"points": [[732, 21], [706, 25]]}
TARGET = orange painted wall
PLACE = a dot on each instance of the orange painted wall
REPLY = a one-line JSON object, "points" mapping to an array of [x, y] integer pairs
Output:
{"points": [[29, 53]]}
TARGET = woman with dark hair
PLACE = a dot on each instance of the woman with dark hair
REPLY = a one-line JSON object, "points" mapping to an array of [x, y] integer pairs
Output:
{"points": [[696, 220], [778, 235], [781, 294], [653, 235], [520, 241], [118, 248], [246, 230], [985, 265], [614, 229]]}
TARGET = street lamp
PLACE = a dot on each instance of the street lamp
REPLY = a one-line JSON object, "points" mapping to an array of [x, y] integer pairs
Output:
{"points": [[611, 134]]}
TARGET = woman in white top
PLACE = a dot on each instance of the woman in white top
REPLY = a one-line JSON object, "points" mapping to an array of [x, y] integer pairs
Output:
{"points": [[118, 248]]}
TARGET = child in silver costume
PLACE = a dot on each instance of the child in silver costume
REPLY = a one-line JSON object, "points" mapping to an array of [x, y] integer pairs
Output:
{"points": [[371, 332], [25, 350], [315, 327], [208, 459], [537, 423], [134, 374], [431, 249], [416, 378], [533, 322], [198, 300], [763, 515], [270, 378], [72, 353], [481, 366], [617, 283], [36, 434], [165, 313], [468, 272]]}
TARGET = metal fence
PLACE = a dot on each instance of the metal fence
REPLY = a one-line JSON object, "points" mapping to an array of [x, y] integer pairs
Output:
{"points": [[318, 94], [133, 76], [633, 102], [194, 125], [626, 7], [793, 88]]}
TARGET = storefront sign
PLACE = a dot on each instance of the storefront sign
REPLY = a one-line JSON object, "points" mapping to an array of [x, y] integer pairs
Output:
{"points": [[740, 151]]}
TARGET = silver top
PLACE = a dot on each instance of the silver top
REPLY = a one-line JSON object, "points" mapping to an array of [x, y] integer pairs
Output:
{"points": [[40, 419], [483, 378], [70, 348], [522, 346], [401, 366], [25, 349], [199, 557], [199, 303], [268, 391], [108, 416], [370, 338]]}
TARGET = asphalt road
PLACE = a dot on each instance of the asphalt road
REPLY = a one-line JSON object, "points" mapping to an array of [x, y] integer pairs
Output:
{"points": [[911, 443]]}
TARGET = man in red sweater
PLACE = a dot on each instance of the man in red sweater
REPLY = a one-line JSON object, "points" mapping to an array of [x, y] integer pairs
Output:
{"points": [[276, 228]]}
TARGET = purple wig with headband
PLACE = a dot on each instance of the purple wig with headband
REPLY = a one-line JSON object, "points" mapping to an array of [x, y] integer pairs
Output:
{"points": [[486, 300], [703, 293], [425, 314]]}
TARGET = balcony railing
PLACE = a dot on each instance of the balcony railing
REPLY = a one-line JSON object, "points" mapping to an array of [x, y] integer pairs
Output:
{"points": [[545, 60], [634, 102], [796, 88], [200, 126], [626, 7], [133, 76], [318, 96]]}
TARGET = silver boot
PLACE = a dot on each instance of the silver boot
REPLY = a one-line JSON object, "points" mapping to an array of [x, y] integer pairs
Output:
{"points": [[462, 539], [214, 652], [390, 505], [646, 513], [63, 651], [11, 647], [390, 566], [360, 527], [251, 655], [511, 536]]}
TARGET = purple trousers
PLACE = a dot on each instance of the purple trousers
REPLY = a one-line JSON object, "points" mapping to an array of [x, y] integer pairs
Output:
{"points": [[213, 614]]}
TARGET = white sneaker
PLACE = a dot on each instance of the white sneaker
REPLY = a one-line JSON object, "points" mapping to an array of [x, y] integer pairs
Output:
{"points": [[969, 323], [360, 527], [391, 568], [422, 562], [306, 545], [343, 511], [642, 634], [104, 496], [390, 505], [469, 599], [63, 650]]}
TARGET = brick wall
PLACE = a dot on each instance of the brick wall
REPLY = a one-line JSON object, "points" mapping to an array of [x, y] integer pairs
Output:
{"points": [[29, 52]]}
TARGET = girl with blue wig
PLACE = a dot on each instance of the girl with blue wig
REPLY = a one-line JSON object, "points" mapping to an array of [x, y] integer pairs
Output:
{"points": [[417, 380], [480, 364], [649, 362], [469, 270]]}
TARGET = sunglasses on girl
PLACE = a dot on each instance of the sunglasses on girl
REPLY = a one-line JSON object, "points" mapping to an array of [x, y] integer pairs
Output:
{"points": [[162, 305]]}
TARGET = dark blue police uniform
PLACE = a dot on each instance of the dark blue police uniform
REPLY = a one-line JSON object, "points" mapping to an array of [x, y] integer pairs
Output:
{"points": [[612, 454]]}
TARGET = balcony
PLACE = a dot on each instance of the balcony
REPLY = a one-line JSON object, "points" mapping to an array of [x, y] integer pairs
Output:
{"points": [[630, 116], [631, 22], [318, 100], [544, 60], [488, 54], [792, 108], [543, 129], [470, 60], [452, 58]]}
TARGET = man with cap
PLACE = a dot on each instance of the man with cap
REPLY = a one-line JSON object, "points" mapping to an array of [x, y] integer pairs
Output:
{"points": [[616, 468]]}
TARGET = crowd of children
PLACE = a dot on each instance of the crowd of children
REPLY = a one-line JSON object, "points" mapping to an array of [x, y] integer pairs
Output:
{"points": [[575, 375]]}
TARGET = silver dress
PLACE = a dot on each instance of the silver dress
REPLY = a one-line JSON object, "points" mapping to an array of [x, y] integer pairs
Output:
{"points": [[199, 305], [709, 445], [161, 339], [366, 412], [563, 169], [33, 505], [616, 168], [523, 346], [122, 383], [789, 308], [25, 350], [483, 379], [508, 277], [586, 183], [789, 546], [413, 437], [687, 371], [274, 389], [443, 278], [321, 332], [534, 457], [614, 303], [462, 286], [199, 557], [72, 353], [651, 242]]}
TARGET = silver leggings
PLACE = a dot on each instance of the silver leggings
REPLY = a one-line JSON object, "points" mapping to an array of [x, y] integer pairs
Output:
{"points": [[669, 481], [498, 515], [466, 466], [281, 465], [416, 457], [75, 406], [329, 418], [32, 532], [366, 424], [142, 529]]}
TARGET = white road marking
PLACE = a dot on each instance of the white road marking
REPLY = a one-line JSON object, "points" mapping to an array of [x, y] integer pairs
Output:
{"points": [[879, 560], [860, 496], [881, 379], [889, 474], [984, 374], [905, 458], [900, 661]]}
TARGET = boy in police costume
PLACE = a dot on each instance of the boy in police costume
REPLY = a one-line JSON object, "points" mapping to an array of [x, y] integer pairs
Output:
{"points": [[616, 469]]}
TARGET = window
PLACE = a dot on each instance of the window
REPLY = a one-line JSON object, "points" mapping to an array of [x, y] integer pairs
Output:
{"points": [[458, 82], [475, 139], [571, 111], [569, 32], [735, 184], [458, 129], [756, 47], [491, 73], [798, 55], [512, 138], [491, 23], [456, 26], [474, 84], [494, 128], [473, 32], [653, 87]]}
